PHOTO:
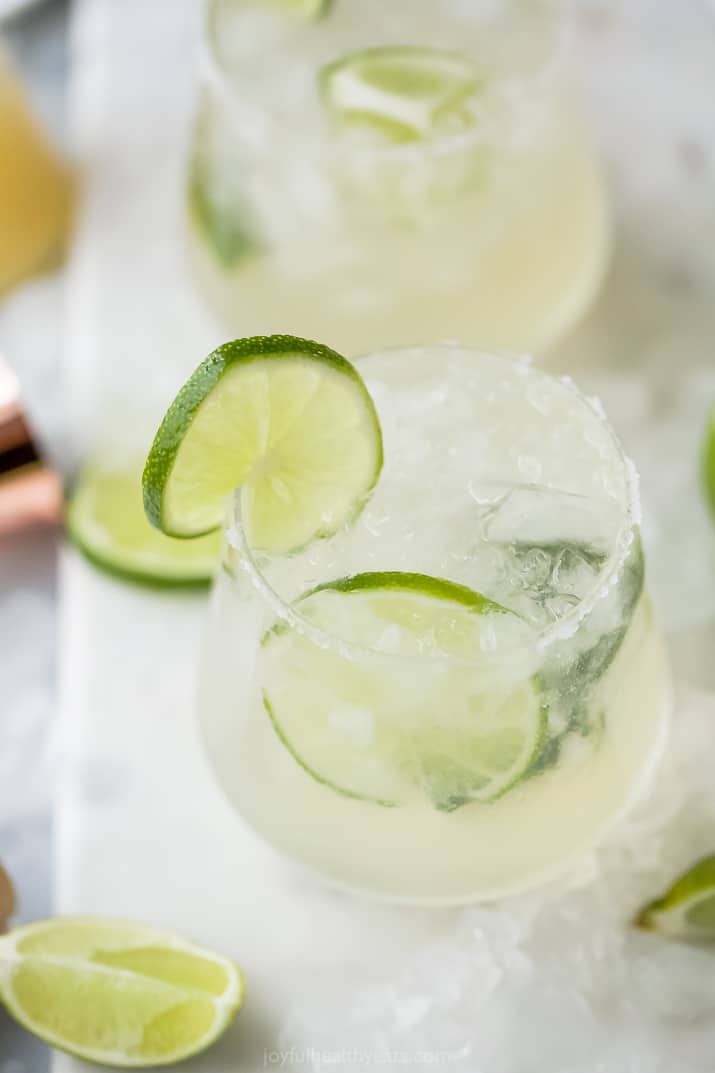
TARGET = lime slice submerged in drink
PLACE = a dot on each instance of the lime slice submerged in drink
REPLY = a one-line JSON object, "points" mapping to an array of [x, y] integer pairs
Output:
{"points": [[117, 993], [440, 725], [405, 93], [287, 421], [406, 122]]}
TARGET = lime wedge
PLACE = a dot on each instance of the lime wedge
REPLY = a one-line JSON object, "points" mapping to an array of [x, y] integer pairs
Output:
{"points": [[106, 521], [288, 421], [117, 993], [405, 93], [687, 910], [373, 730]]}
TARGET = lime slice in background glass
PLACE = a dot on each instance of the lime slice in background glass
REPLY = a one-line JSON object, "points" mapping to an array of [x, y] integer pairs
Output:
{"points": [[404, 93], [288, 421], [367, 731], [687, 910], [117, 993], [106, 521]]}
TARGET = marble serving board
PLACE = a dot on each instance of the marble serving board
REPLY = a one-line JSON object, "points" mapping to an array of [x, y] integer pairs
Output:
{"points": [[141, 830]]}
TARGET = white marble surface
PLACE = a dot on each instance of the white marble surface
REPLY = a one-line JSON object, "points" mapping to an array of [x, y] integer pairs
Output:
{"points": [[141, 830]]}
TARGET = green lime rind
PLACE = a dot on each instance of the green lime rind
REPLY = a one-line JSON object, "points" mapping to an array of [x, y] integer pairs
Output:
{"points": [[478, 761], [220, 216], [106, 522], [320, 444], [117, 993], [687, 910], [397, 581], [709, 461], [383, 802], [227, 237], [151, 582], [406, 92], [403, 581]]}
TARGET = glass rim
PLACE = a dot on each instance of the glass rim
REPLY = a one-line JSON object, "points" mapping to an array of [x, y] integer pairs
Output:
{"points": [[539, 640], [214, 71]]}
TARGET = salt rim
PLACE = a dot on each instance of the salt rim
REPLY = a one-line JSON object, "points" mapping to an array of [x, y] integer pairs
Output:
{"points": [[538, 641]]}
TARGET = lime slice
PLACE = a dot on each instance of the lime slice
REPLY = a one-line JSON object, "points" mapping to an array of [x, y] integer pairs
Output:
{"points": [[288, 421], [687, 910], [117, 993], [106, 520], [405, 93], [388, 731]]}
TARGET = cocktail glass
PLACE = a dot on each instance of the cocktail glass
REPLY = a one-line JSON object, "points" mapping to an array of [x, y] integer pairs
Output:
{"points": [[462, 690], [374, 173]]}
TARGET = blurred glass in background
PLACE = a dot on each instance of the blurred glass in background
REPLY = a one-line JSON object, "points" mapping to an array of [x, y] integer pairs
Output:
{"points": [[376, 173], [35, 188]]}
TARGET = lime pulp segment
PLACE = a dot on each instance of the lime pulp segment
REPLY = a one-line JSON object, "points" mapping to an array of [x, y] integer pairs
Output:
{"points": [[407, 93], [287, 421], [452, 734], [687, 910], [106, 520], [117, 993]]}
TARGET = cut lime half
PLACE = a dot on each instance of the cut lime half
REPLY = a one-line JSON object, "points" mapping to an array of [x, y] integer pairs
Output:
{"points": [[106, 521], [117, 993], [287, 421], [387, 730], [405, 93], [687, 910]]}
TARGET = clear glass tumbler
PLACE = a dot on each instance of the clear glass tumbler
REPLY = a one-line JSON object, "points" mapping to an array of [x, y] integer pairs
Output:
{"points": [[372, 173], [456, 695]]}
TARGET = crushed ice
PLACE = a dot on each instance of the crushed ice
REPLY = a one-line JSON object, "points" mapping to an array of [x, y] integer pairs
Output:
{"points": [[562, 971]]}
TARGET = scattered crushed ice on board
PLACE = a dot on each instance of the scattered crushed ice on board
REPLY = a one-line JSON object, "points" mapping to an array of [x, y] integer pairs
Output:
{"points": [[557, 981]]}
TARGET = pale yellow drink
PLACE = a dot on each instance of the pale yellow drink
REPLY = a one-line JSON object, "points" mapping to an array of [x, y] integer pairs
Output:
{"points": [[508, 482], [495, 233]]}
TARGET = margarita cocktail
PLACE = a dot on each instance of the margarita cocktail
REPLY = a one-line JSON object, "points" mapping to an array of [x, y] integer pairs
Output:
{"points": [[432, 671], [374, 172]]}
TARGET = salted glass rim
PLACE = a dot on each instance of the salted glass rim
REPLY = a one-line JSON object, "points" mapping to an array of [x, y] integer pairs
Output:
{"points": [[538, 640], [215, 70]]}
